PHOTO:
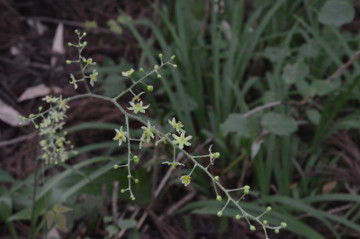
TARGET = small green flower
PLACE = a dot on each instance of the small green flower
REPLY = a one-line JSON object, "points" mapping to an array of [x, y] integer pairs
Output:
{"points": [[182, 140], [148, 132], [93, 77], [127, 73], [120, 135], [185, 180], [213, 155], [62, 104], [174, 164], [138, 107], [73, 81], [50, 99], [176, 125]]}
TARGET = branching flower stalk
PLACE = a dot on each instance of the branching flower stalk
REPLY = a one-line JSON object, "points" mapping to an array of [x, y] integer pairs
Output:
{"points": [[176, 137]]}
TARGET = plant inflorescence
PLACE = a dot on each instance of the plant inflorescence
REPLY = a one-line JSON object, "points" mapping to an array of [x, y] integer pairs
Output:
{"points": [[54, 150]]}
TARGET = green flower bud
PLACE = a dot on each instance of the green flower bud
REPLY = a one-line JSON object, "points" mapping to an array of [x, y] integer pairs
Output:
{"points": [[76, 31], [268, 209], [129, 176], [277, 231], [122, 190], [172, 57], [141, 69], [217, 178], [70, 44], [160, 56], [156, 67], [175, 66], [158, 76], [216, 155], [132, 198], [85, 43], [219, 214], [150, 88], [116, 166], [265, 222], [136, 159], [68, 61], [84, 34], [137, 181], [246, 191], [283, 224], [219, 198], [238, 217], [246, 187], [252, 228]]}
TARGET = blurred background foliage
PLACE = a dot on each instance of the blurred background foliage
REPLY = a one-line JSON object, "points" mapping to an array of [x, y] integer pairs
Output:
{"points": [[273, 85]]}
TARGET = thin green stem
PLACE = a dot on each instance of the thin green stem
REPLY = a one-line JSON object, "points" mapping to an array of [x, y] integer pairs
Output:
{"points": [[192, 158], [140, 81]]}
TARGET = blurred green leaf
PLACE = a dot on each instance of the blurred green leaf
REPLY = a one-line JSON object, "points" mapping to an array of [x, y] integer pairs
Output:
{"points": [[24, 214], [275, 54], [321, 87], [278, 123], [5, 177], [236, 123], [5, 197], [61, 208], [50, 218], [112, 230], [114, 26], [60, 221], [336, 13], [112, 85], [295, 72], [90, 25], [127, 223], [313, 115]]}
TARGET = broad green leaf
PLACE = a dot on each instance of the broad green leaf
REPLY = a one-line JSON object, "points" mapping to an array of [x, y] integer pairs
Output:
{"points": [[275, 54], [309, 49], [278, 123], [303, 88], [321, 87], [61, 208], [236, 123], [24, 214], [127, 223], [295, 72], [313, 115], [270, 96], [112, 230], [336, 13], [5, 210], [60, 221], [108, 219], [112, 85], [5, 197], [50, 218]]}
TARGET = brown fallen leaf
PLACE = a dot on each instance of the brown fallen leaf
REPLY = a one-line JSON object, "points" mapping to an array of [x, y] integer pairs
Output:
{"points": [[328, 187], [37, 91], [58, 43], [9, 115]]}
